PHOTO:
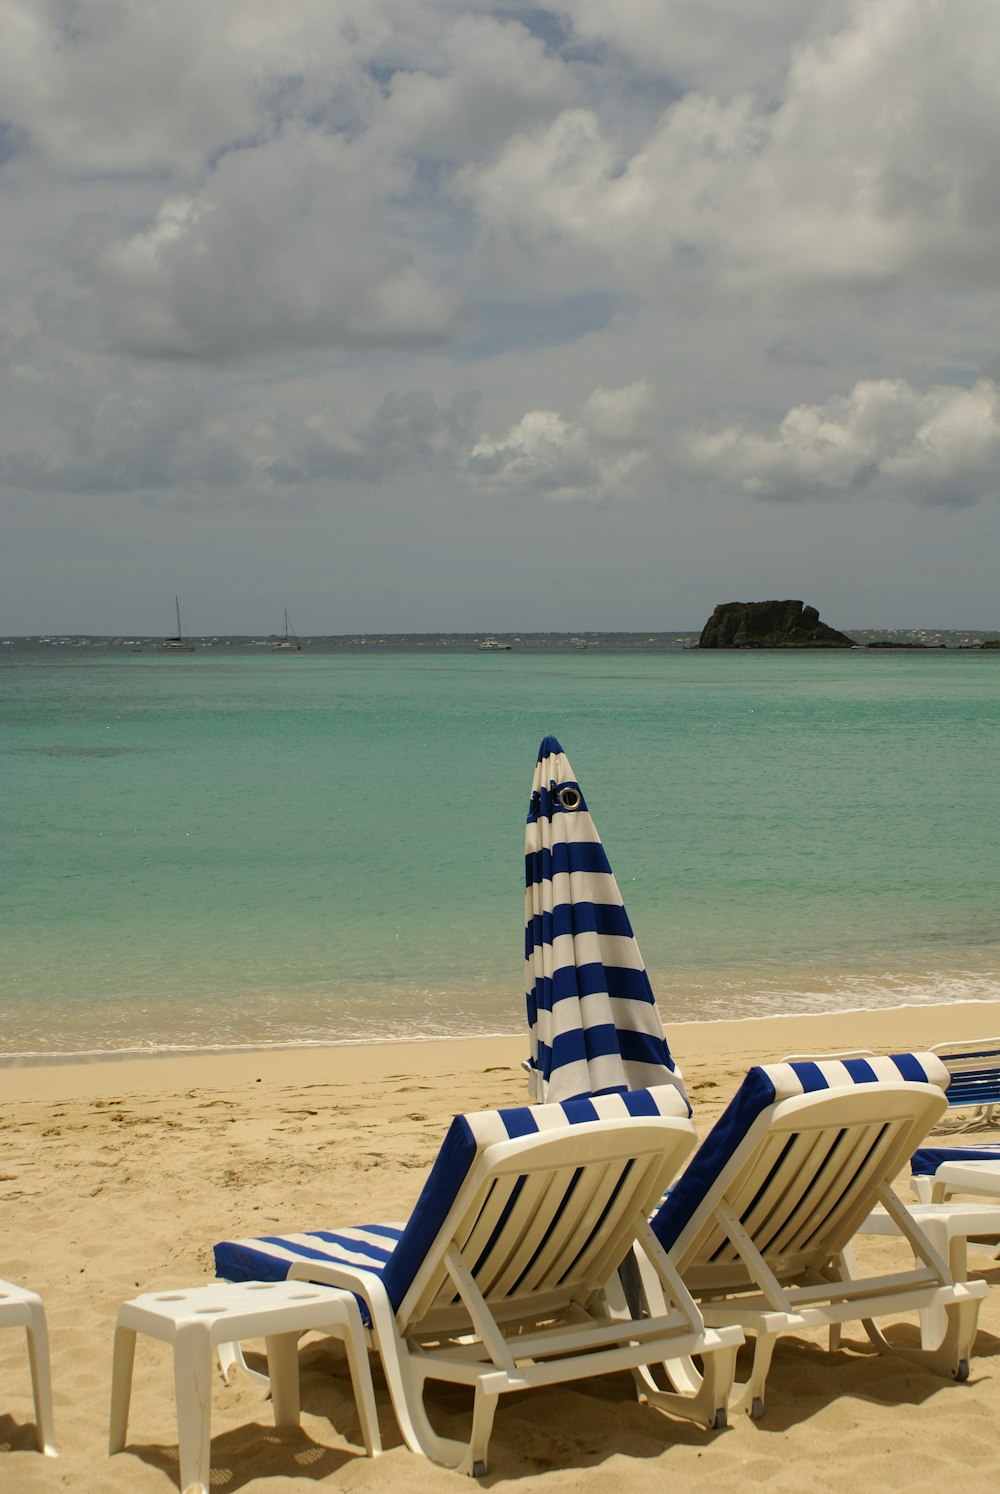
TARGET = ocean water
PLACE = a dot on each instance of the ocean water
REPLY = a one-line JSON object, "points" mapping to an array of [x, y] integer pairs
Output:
{"points": [[235, 847]]}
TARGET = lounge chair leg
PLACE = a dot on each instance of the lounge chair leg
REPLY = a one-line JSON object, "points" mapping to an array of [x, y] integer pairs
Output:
{"points": [[231, 1356], [702, 1398], [483, 1411], [364, 1391], [952, 1355], [749, 1396], [406, 1391]]}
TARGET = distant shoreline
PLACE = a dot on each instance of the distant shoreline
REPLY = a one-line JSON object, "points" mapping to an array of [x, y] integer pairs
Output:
{"points": [[575, 644]]}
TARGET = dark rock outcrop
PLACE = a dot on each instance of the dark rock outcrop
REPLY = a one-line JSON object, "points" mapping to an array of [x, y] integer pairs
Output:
{"points": [[769, 625]]}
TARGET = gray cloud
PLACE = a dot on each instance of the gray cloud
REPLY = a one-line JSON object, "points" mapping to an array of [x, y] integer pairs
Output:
{"points": [[408, 429], [285, 245], [118, 436]]}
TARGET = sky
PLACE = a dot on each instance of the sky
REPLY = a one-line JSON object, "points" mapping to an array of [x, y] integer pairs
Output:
{"points": [[409, 315]]}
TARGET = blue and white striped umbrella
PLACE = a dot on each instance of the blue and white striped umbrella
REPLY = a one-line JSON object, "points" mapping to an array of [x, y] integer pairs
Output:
{"points": [[591, 1010]]}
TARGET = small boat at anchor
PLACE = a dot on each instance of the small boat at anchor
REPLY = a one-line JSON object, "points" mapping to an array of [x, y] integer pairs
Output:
{"points": [[289, 642], [180, 643]]}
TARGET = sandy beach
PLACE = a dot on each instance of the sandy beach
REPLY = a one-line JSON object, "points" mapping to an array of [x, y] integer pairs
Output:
{"points": [[118, 1177]]}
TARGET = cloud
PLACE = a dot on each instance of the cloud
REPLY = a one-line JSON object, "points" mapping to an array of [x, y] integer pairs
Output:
{"points": [[879, 159], [302, 157], [103, 432], [712, 44], [941, 446], [407, 431], [486, 80], [113, 436], [622, 417], [121, 86], [550, 456], [291, 244]]}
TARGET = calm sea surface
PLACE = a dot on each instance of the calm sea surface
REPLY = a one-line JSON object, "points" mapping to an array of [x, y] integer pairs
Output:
{"points": [[237, 846]]}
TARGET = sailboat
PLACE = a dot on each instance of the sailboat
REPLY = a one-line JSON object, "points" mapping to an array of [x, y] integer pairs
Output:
{"points": [[290, 639], [181, 643]]}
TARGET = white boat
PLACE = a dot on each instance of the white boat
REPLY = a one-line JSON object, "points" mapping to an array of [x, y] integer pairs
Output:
{"points": [[492, 645], [180, 643], [290, 640]]}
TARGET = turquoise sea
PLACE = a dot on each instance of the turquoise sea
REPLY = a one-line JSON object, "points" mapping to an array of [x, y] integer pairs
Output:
{"points": [[238, 847]]}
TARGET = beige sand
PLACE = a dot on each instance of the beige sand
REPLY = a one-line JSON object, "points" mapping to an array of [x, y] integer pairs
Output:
{"points": [[118, 1177]]}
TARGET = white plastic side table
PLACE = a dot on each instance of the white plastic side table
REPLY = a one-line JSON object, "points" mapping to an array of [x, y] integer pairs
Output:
{"points": [[196, 1320], [21, 1308]]}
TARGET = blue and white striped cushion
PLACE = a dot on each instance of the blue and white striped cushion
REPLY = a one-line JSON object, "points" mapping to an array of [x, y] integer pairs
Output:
{"points": [[766, 1085], [591, 1011], [395, 1252]]}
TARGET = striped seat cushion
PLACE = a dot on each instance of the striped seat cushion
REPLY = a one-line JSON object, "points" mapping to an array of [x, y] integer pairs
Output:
{"points": [[766, 1085], [927, 1159], [395, 1252]]}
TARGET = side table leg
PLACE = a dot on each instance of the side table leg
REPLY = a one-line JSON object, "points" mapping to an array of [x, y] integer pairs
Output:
{"points": [[193, 1388], [41, 1377], [283, 1368], [122, 1364]]}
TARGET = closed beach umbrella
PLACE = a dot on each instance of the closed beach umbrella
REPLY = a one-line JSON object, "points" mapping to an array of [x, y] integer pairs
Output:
{"points": [[591, 1010]]}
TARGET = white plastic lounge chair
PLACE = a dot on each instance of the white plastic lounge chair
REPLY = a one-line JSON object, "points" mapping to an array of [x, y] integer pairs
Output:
{"points": [[761, 1221], [940, 1171], [23, 1309], [500, 1279], [974, 1066]]}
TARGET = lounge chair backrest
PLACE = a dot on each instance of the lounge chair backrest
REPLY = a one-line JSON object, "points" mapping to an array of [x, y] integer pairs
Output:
{"points": [[537, 1199], [974, 1066], [798, 1158]]}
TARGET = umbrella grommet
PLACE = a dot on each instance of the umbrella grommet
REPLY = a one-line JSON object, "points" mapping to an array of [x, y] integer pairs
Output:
{"points": [[570, 798]]}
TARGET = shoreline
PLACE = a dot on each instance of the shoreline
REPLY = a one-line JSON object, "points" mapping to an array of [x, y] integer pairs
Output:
{"points": [[682, 1005], [760, 1039]]}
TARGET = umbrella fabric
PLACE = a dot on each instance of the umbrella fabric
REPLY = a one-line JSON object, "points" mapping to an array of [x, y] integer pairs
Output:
{"points": [[592, 1015]]}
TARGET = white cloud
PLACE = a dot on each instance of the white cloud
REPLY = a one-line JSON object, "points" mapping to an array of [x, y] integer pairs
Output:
{"points": [[881, 158], [546, 454], [941, 446]]}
